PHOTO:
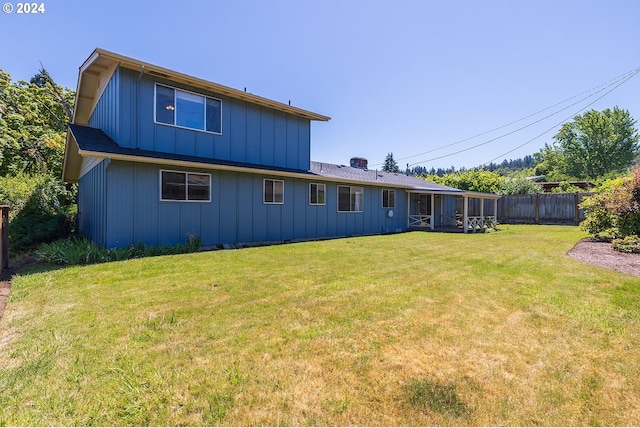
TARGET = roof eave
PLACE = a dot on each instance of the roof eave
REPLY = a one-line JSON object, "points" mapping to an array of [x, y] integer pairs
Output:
{"points": [[101, 64]]}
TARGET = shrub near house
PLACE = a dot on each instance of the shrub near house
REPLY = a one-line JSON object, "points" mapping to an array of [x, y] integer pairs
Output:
{"points": [[614, 213]]}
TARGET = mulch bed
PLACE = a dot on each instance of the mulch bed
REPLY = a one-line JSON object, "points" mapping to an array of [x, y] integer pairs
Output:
{"points": [[601, 254]]}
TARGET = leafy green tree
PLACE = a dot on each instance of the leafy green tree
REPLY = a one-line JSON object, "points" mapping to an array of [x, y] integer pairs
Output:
{"points": [[390, 165], [33, 122], [597, 143], [552, 163]]}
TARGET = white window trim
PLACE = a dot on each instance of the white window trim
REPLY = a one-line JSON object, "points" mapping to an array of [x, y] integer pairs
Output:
{"points": [[264, 185], [175, 104], [325, 194], [186, 173], [382, 197], [338, 198]]}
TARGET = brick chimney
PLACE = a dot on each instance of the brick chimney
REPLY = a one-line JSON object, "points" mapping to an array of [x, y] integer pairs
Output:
{"points": [[360, 163]]}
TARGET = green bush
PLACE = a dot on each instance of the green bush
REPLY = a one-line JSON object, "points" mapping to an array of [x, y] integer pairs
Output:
{"points": [[628, 244], [598, 220], [566, 187], [81, 251], [615, 211], [41, 209], [518, 186]]}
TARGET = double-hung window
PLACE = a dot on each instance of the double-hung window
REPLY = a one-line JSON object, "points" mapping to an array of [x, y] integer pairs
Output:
{"points": [[388, 198], [350, 199], [316, 193], [188, 110], [185, 186], [273, 191]]}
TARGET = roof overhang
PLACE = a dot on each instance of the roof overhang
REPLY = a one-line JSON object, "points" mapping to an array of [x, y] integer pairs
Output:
{"points": [[72, 160], [481, 195], [97, 70]]}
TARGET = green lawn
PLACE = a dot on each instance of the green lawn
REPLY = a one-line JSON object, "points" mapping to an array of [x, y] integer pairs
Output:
{"points": [[410, 329]]}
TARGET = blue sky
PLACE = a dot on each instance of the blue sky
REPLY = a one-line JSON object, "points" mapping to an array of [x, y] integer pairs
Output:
{"points": [[400, 76]]}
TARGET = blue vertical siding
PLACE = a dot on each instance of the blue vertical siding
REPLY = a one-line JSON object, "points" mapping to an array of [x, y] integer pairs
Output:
{"points": [[280, 140], [267, 131], [92, 204], [147, 194], [134, 212], [128, 103], [238, 130], [186, 142], [204, 145], [210, 224], [292, 142], [169, 224], [253, 135], [120, 206], [145, 128], [190, 220], [304, 144], [250, 133], [245, 209], [299, 206], [106, 112], [227, 202]]}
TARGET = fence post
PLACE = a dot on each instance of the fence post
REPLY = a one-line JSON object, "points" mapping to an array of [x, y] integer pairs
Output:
{"points": [[577, 202], [537, 208], [4, 238]]}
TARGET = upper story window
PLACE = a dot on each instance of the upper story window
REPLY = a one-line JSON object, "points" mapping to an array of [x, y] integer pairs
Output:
{"points": [[188, 110], [388, 198]]}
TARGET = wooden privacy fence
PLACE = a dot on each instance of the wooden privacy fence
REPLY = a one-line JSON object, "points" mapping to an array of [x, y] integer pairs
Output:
{"points": [[4, 238], [541, 208]]}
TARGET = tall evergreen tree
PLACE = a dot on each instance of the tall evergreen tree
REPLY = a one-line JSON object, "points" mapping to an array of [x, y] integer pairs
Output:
{"points": [[390, 165]]}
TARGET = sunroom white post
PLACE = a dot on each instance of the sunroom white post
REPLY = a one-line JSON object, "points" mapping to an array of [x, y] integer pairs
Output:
{"points": [[481, 213], [465, 212], [433, 210]]}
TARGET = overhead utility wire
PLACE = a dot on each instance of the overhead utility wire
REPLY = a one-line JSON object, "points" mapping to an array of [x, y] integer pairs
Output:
{"points": [[570, 117], [607, 84], [633, 73]]}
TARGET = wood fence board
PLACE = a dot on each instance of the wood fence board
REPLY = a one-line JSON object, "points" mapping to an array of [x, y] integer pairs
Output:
{"points": [[541, 208]]}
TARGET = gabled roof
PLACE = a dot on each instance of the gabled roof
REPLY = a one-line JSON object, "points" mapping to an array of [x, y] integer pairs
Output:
{"points": [[93, 142], [97, 70]]}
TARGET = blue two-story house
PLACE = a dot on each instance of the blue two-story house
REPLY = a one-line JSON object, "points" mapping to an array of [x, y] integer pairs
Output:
{"points": [[159, 155]]}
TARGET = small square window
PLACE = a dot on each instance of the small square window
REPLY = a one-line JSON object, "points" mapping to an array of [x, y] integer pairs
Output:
{"points": [[388, 198], [316, 193], [273, 191]]}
